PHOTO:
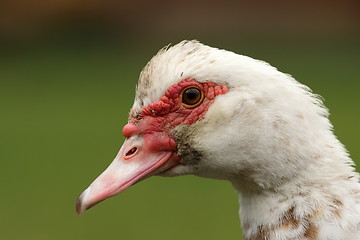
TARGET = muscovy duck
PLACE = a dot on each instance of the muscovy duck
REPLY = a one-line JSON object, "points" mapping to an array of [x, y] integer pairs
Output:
{"points": [[216, 114]]}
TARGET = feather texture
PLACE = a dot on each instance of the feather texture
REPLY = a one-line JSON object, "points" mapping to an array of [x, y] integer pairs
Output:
{"points": [[270, 136]]}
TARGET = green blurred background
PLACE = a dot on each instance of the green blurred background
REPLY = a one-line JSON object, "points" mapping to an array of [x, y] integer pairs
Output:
{"points": [[68, 71]]}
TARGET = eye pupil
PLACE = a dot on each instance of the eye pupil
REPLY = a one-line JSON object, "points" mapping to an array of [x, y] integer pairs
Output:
{"points": [[192, 93], [192, 97]]}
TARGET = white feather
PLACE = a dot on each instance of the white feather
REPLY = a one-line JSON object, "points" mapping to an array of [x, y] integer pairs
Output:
{"points": [[271, 137]]}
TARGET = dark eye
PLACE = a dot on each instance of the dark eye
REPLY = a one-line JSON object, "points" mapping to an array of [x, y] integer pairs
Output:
{"points": [[191, 97]]}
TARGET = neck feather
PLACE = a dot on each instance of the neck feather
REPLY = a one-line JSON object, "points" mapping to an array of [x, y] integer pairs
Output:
{"points": [[322, 207]]}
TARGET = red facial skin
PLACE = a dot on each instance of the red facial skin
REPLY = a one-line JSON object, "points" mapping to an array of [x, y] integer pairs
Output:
{"points": [[149, 149], [169, 111]]}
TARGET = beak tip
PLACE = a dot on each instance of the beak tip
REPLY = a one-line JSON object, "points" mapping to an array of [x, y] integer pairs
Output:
{"points": [[81, 204]]}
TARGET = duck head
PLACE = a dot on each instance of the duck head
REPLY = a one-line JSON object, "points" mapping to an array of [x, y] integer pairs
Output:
{"points": [[213, 113]]}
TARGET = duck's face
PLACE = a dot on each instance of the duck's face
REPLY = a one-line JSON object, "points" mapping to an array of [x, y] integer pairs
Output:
{"points": [[203, 111], [159, 140]]}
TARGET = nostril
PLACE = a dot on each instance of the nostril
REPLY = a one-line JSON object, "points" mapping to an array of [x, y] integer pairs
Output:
{"points": [[131, 152]]}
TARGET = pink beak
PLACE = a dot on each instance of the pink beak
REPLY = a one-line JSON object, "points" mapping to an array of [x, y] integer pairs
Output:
{"points": [[138, 158]]}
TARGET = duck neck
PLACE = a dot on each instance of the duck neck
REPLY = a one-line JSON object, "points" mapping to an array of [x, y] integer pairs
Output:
{"points": [[296, 209]]}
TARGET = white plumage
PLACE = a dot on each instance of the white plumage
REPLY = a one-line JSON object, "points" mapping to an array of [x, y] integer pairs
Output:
{"points": [[268, 135]]}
